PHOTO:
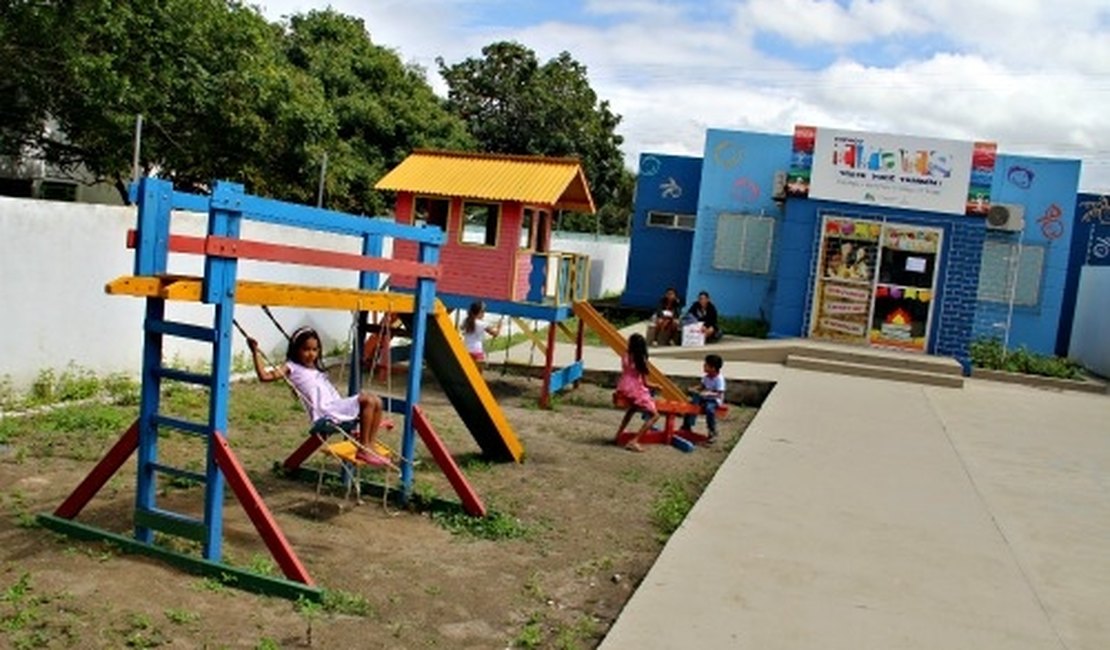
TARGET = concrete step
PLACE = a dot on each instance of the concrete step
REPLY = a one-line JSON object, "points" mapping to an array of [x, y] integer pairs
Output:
{"points": [[805, 362], [878, 357]]}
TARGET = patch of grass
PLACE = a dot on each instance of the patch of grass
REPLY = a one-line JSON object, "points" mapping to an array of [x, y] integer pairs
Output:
{"points": [[141, 632], [344, 602], [753, 328], [266, 643], [495, 526], [181, 616], [580, 634], [91, 419], [262, 565], [210, 584], [670, 507], [76, 383], [122, 389], [9, 397], [992, 355], [531, 635]]}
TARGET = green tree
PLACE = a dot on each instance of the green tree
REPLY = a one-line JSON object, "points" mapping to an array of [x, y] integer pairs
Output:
{"points": [[513, 104], [382, 108], [207, 75]]}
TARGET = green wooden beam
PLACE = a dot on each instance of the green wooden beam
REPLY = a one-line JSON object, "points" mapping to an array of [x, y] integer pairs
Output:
{"points": [[229, 575]]}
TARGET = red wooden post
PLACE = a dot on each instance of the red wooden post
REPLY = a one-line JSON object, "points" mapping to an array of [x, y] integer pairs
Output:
{"points": [[257, 511]]}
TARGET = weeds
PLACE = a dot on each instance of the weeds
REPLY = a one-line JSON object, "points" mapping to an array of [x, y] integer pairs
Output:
{"points": [[495, 526], [992, 355], [670, 507], [343, 602], [531, 635], [181, 616]]}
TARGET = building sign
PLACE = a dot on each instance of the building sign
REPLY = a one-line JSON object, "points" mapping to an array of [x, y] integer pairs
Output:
{"points": [[896, 171]]}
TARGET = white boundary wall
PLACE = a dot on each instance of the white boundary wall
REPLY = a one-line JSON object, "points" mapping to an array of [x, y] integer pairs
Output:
{"points": [[55, 259], [1090, 340]]}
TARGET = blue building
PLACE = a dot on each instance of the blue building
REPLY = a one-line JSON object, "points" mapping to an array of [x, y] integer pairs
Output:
{"points": [[918, 244]]}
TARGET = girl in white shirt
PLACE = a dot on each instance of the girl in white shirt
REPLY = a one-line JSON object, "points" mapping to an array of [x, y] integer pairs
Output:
{"points": [[475, 328]]}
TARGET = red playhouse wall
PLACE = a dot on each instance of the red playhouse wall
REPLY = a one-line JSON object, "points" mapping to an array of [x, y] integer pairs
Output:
{"points": [[492, 272]]}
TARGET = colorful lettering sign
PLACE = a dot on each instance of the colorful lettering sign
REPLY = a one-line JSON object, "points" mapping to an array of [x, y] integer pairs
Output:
{"points": [[931, 174]]}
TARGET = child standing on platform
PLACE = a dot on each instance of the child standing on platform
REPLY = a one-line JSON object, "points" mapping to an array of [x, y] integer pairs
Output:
{"points": [[318, 395], [708, 394], [632, 386]]}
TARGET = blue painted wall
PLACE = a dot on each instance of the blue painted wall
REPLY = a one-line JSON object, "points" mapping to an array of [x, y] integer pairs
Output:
{"points": [[660, 257], [737, 177], [1047, 188], [1090, 246]]}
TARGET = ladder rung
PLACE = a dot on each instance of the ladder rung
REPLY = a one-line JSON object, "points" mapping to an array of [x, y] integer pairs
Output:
{"points": [[181, 425], [172, 523], [182, 330], [184, 376], [178, 472]]}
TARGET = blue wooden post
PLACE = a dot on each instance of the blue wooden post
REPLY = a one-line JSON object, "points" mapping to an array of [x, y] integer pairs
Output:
{"points": [[423, 305], [367, 281], [224, 217], [151, 252]]}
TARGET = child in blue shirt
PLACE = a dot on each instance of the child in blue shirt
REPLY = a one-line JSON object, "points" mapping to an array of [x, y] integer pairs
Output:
{"points": [[709, 393]]}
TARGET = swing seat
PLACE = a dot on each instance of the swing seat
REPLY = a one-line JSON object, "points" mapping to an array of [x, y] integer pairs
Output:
{"points": [[347, 450]]}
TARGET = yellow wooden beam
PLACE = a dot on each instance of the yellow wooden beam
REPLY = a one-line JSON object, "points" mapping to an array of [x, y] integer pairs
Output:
{"points": [[271, 294], [536, 339]]}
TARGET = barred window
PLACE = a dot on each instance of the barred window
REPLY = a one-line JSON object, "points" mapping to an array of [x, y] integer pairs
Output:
{"points": [[670, 220], [1009, 269], [744, 243]]}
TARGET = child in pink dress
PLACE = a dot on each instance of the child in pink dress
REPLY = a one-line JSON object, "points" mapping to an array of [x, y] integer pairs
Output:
{"points": [[632, 386], [319, 396]]}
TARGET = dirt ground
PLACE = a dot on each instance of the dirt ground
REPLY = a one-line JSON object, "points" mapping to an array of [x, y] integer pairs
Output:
{"points": [[580, 521]]}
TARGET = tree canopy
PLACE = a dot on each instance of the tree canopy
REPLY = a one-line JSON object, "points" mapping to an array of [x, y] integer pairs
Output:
{"points": [[513, 104], [224, 94]]}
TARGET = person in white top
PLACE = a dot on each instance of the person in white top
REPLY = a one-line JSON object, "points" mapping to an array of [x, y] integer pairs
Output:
{"points": [[475, 328], [319, 396]]}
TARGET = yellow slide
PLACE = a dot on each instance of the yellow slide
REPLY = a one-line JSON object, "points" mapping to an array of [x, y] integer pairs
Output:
{"points": [[464, 386], [595, 321]]}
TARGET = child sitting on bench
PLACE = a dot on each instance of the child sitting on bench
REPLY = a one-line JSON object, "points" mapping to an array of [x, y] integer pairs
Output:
{"points": [[632, 386], [708, 394], [303, 370]]}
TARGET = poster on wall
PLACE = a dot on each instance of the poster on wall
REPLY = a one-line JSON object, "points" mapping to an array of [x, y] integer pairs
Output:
{"points": [[846, 268], [801, 161], [896, 171], [905, 287], [983, 156]]}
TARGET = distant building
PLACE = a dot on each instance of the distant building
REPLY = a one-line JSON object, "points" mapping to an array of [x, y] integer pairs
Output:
{"points": [[919, 244]]}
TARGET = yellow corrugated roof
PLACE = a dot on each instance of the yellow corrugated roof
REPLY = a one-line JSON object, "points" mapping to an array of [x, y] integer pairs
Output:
{"points": [[558, 182]]}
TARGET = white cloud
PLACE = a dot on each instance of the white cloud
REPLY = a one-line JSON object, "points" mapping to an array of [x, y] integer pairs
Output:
{"points": [[1032, 75]]}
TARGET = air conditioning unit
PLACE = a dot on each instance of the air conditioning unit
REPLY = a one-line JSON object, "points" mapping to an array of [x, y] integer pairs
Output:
{"points": [[1004, 216], [778, 186]]}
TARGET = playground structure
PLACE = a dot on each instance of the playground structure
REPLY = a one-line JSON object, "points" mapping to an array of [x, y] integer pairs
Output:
{"points": [[433, 338]]}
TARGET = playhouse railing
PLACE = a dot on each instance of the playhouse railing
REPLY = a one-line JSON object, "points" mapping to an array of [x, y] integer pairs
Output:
{"points": [[559, 277]]}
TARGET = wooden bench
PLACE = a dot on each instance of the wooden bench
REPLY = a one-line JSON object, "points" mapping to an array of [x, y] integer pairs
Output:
{"points": [[672, 413]]}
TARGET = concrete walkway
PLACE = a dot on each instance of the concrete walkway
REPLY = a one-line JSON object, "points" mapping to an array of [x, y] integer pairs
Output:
{"points": [[860, 513]]}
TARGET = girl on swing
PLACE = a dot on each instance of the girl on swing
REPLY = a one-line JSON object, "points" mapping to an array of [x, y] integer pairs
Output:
{"points": [[304, 371]]}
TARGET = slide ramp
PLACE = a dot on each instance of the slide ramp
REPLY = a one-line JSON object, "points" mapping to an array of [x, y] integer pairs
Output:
{"points": [[467, 391], [613, 338]]}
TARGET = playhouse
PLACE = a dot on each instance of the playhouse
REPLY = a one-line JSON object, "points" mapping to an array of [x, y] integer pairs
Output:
{"points": [[919, 244], [496, 213]]}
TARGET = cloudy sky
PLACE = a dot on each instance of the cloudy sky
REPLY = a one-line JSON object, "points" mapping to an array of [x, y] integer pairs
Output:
{"points": [[1031, 75]]}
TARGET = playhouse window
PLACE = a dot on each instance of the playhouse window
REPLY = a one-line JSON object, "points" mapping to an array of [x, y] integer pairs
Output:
{"points": [[431, 212], [670, 220], [480, 222], [744, 243], [527, 226], [1009, 270]]}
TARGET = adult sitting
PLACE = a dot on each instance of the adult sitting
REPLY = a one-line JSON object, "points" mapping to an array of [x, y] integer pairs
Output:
{"points": [[705, 312], [665, 328]]}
